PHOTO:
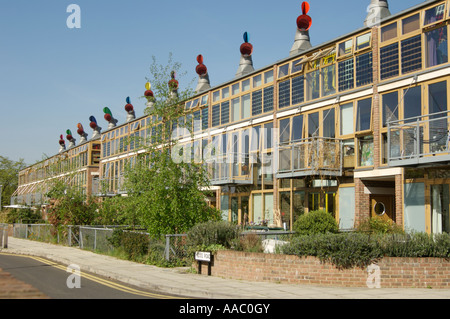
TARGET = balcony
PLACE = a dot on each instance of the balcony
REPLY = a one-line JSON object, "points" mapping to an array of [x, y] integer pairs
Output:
{"points": [[319, 156], [230, 169], [419, 140]]}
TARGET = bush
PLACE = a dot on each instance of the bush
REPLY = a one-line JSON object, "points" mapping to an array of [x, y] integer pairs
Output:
{"points": [[135, 245], [249, 243], [378, 225], [212, 233], [315, 222]]}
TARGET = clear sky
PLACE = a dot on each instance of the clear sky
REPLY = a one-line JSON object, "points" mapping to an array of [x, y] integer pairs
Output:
{"points": [[53, 77]]}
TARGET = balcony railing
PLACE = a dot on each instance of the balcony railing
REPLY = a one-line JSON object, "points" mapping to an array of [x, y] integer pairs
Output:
{"points": [[419, 140], [230, 169], [311, 156]]}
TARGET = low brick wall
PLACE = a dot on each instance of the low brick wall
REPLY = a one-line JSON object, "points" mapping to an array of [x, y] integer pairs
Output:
{"points": [[393, 272]]}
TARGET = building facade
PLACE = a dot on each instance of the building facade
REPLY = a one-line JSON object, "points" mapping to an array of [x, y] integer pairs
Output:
{"points": [[357, 126]]}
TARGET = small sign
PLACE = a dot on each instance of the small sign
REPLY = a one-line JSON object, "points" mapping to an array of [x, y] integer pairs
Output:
{"points": [[203, 256]]}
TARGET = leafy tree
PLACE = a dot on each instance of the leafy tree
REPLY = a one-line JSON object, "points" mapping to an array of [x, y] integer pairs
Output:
{"points": [[9, 172], [166, 193]]}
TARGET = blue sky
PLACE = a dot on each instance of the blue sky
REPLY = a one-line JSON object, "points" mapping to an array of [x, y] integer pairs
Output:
{"points": [[53, 77]]}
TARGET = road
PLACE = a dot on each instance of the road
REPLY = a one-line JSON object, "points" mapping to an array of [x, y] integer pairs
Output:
{"points": [[58, 282]]}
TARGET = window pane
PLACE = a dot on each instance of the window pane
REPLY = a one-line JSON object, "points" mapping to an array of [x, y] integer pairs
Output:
{"points": [[366, 151], [216, 96], [268, 135], [225, 93], [298, 89], [235, 89], [434, 14], [235, 110], [411, 24], [312, 85], [364, 69], [412, 54], [268, 76], [268, 99], [328, 80], [297, 66], [364, 115], [225, 112], [257, 102], [346, 75], [245, 109], [347, 119], [205, 119], [390, 109], [297, 128], [283, 70], [437, 98], [216, 115], [313, 124], [389, 32], [284, 94], [389, 61], [245, 85], [412, 102], [345, 47], [363, 41], [257, 81], [329, 123], [285, 130], [436, 46]]}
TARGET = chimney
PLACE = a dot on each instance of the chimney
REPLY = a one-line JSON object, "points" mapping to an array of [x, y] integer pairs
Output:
{"points": [[97, 129], [82, 133], [302, 40], [203, 77], [173, 87], [109, 118], [150, 97], [70, 139], [377, 10], [130, 111], [246, 62], [62, 144]]}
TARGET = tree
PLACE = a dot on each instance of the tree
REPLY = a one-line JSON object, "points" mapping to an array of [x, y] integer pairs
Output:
{"points": [[9, 172], [166, 193]]}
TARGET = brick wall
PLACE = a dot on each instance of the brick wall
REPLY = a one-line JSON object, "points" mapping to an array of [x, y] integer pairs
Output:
{"points": [[394, 272]]}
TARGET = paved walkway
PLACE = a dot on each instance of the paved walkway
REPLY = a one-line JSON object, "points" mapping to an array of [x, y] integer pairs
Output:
{"points": [[180, 282]]}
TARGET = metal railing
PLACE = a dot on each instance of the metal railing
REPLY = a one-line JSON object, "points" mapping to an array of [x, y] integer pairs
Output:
{"points": [[417, 140], [310, 156]]}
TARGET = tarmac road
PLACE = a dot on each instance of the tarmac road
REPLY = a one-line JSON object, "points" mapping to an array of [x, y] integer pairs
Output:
{"points": [[57, 281]]}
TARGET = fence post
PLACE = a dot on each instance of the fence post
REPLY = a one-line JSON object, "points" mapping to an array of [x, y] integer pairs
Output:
{"points": [[69, 239], [167, 250], [5, 237]]}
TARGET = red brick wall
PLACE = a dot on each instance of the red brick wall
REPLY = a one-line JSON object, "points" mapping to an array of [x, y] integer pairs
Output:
{"points": [[394, 272]]}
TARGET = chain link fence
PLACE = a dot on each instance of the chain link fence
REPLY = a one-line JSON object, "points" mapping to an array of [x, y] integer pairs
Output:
{"points": [[171, 248]]}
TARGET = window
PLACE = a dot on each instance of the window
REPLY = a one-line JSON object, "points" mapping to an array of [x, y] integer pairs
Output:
{"points": [[364, 114], [329, 123], [235, 89], [328, 81], [346, 75], [411, 54], [235, 110], [298, 89], [268, 77], [225, 112], [363, 41], [284, 94], [436, 46], [257, 81], [389, 61], [268, 99], [216, 115], [246, 85], [205, 119], [283, 70], [411, 24], [366, 151], [285, 129], [225, 93], [245, 106], [297, 66], [437, 99], [216, 96], [412, 102], [297, 128], [345, 48], [390, 107], [364, 69], [312, 85], [434, 14], [347, 119], [313, 124], [389, 32], [257, 102]]}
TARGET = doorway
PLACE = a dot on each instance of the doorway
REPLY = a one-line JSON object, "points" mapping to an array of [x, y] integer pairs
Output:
{"points": [[440, 209], [382, 206]]}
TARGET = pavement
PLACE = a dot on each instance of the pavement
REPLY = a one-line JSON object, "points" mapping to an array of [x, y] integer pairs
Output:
{"points": [[180, 281]]}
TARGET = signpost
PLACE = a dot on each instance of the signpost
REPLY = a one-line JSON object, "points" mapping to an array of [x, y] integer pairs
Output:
{"points": [[201, 257]]}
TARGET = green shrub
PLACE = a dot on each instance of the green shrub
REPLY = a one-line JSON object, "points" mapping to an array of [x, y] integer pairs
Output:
{"points": [[134, 244], [249, 243], [378, 225], [315, 222], [212, 233]]}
